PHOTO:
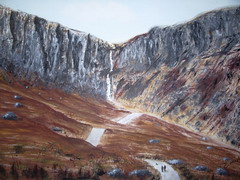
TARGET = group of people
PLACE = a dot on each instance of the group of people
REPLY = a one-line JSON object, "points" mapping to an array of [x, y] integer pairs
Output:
{"points": [[164, 168]]}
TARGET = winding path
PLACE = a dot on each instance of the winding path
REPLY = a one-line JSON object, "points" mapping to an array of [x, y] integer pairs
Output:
{"points": [[170, 173], [95, 135], [129, 118]]}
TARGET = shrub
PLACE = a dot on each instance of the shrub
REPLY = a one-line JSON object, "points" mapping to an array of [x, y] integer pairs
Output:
{"points": [[18, 149], [3, 173], [14, 172]]}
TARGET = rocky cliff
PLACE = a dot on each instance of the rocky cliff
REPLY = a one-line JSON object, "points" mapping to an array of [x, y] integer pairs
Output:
{"points": [[187, 73], [45, 52]]}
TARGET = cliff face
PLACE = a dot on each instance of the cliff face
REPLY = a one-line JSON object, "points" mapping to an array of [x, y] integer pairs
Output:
{"points": [[188, 74], [45, 52]]}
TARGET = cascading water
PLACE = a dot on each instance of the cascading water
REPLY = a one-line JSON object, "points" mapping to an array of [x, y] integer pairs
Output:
{"points": [[109, 82]]}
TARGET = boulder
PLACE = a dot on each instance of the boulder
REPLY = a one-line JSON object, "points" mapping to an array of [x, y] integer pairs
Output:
{"points": [[226, 159], [17, 97], [175, 162], [10, 116], [210, 147], [154, 141], [116, 173], [204, 138], [57, 129], [201, 168], [221, 171], [140, 172], [18, 104]]}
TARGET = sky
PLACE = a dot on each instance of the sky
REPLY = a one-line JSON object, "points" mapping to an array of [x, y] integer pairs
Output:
{"points": [[117, 20]]}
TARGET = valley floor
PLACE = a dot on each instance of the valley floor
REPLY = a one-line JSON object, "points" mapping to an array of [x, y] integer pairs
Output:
{"points": [[64, 135]]}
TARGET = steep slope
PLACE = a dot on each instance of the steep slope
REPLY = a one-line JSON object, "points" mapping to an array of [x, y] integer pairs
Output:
{"points": [[48, 53], [31, 147], [186, 74]]}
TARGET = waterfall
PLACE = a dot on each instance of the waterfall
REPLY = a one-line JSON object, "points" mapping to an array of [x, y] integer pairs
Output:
{"points": [[109, 81]]}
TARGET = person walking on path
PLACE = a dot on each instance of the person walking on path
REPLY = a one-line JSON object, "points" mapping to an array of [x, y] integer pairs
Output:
{"points": [[162, 168], [165, 168]]}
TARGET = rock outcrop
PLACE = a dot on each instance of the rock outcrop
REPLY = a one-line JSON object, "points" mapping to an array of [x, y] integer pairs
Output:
{"points": [[186, 74], [48, 53]]}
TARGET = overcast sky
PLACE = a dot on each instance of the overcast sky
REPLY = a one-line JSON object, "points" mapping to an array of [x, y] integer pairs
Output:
{"points": [[117, 20]]}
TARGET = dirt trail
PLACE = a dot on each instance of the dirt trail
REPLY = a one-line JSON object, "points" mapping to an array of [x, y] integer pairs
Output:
{"points": [[96, 134], [169, 174]]}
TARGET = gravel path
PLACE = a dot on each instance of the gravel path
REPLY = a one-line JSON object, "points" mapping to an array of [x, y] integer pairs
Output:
{"points": [[95, 136], [127, 119], [169, 174]]}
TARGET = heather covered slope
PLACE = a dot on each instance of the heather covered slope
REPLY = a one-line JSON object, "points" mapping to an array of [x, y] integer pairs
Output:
{"points": [[31, 143], [187, 74]]}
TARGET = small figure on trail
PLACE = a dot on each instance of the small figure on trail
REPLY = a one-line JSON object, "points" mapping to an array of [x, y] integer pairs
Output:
{"points": [[165, 168], [162, 168]]}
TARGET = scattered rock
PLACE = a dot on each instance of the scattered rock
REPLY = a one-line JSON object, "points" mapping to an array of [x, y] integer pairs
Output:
{"points": [[204, 138], [57, 129], [116, 173], [226, 159], [18, 104], [10, 116], [17, 97], [26, 87], [201, 168], [221, 171], [140, 172], [175, 162], [210, 147], [154, 141]]}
